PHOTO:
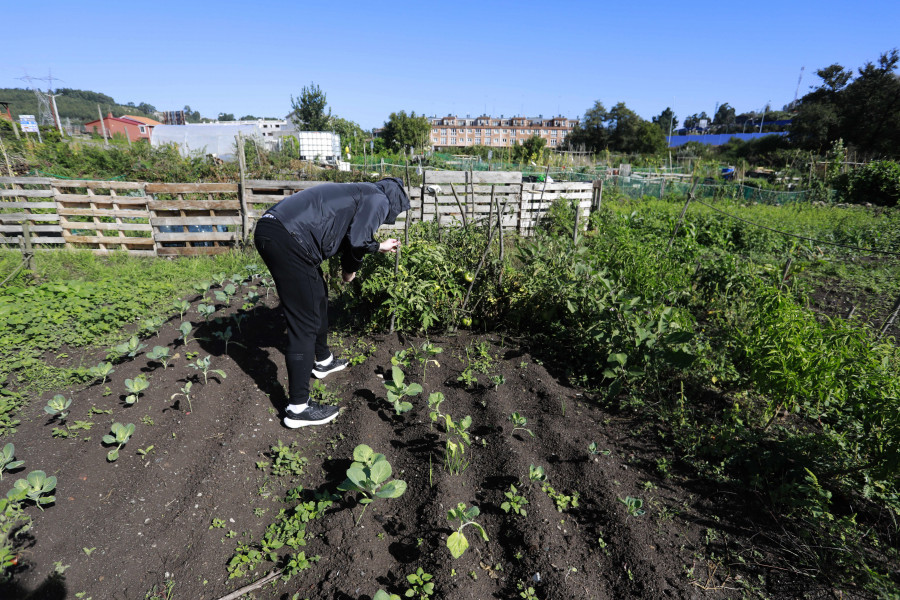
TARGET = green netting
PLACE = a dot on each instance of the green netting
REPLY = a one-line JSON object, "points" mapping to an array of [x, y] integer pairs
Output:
{"points": [[638, 188]]}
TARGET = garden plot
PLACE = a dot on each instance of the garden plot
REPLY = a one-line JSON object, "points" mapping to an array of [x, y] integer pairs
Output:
{"points": [[573, 502]]}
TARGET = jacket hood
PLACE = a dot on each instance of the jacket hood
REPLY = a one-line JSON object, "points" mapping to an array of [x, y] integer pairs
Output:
{"points": [[399, 201]]}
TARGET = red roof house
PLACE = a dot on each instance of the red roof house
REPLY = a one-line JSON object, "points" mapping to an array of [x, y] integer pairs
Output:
{"points": [[130, 126]]}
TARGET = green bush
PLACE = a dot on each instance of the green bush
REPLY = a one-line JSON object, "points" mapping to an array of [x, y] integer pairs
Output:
{"points": [[877, 182]]}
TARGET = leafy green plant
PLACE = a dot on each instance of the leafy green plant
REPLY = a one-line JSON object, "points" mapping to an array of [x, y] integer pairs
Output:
{"points": [[383, 595], [226, 336], [130, 348], [186, 328], [421, 585], [220, 278], [397, 390], [6, 459], [634, 506], [104, 370], [519, 422], [58, 407], [186, 392], [182, 306], [206, 311], [202, 365], [136, 386], [434, 403], [536, 473], [514, 502], [456, 541], [526, 591], [468, 377], [34, 487], [152, 326], [226, 294], [161, 354], [455, 457], [120, 436], [286, 460], [368, 475], [201, 287], [563, 502]]}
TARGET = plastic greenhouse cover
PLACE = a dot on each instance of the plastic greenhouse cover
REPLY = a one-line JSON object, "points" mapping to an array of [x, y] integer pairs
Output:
{"points": [[213, 138]]}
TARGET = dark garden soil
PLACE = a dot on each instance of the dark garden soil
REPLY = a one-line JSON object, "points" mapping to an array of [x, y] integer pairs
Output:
{"points": [[128, 527]]}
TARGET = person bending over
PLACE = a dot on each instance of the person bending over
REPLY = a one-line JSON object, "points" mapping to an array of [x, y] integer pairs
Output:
{"points": [[293, 238]]}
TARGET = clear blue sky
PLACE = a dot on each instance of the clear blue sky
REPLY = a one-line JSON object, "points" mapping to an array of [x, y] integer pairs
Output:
{"points": [[374, 58]]}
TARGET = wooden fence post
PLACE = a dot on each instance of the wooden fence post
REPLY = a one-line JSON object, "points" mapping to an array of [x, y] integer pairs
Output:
{"points": [[27, 249], [245, 217]]}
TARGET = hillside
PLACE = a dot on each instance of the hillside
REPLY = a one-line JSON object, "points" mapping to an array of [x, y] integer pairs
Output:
{"points": [[78, 105]]}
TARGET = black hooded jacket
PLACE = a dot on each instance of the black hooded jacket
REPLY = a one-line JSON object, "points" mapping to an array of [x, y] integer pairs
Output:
{"points": [[341, 217]]}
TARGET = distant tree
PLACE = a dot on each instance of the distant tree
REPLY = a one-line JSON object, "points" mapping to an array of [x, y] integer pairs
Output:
{"points": [[191, 116], [725, 115], [402, 131], [666, 121], [146, 108], [352, 135], [226, 117], [308, 111], [531, 149], [248, 118], [592, 131], [863, 111]]}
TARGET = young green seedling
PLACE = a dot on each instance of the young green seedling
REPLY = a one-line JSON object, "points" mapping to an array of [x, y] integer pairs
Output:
{"points": [[33, 488], [250, 300], [182, 306], [220, 279], [6, 459], [186, 328], [226, 336], [104, 370], [429, 351], [238, 318], [186, 392], [201, 287], [434, 403], [58, 407], [456, 541], [397, 390], [519, 422], [131, 348], [634, 506], [536, 473], [514, 502], [202, 365], [136, 386], [206, 311], [121, 435], [226, 294], [368, 475], [152, 325], [383, 595], [161, 354], [421, 584]]}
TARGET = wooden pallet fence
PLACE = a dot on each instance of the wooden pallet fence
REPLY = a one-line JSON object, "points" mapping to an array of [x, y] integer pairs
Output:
{"points": [[538, 197], [104, 216], [28, 199], [190, 219]]}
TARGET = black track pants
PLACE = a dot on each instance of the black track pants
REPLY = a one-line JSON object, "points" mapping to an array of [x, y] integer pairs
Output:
{"points": [[304, 298]]}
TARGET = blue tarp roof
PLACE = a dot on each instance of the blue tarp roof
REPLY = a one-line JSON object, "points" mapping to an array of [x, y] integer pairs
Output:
{"points": [[718, 139]]}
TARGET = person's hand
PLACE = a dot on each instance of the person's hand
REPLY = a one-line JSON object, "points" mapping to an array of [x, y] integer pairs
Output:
{"points": [[390, 245], [348, 277]]}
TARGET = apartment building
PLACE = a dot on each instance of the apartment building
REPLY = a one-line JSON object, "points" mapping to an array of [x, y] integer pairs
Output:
{"points": [[498, 132]]}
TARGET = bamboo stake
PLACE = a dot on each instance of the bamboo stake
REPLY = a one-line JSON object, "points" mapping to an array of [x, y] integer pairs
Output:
{"points": [[681, 218], [462, 211], [890, 319], [253, 586]]}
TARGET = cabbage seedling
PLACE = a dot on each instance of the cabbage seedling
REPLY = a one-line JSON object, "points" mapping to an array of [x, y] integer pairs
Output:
{"points": [[237, 318], [220, 278], [161, 354], [104, 370], [152, 325], [519, 422], [434, 403], [226, 294], [6, 459], [202, 365], [58, 406], [201, 287], [397, 390], [457, 542], [121, 435], [383, 595], [131, 348], [186, 392], [186, 328], [226, 336], [368, 475], [136, 386], [206, 311], [33, 488], [182, 306]]}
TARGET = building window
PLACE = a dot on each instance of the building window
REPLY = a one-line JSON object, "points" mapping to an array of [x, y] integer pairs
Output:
{"points": [[142, 129]]}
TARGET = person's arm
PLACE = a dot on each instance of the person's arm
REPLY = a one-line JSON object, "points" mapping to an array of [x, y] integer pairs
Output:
{"points": [[360, 238]]}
